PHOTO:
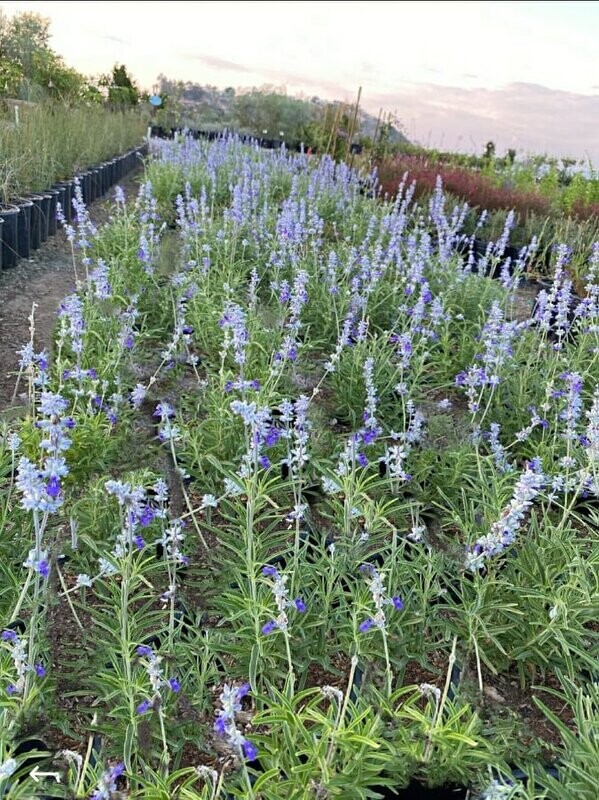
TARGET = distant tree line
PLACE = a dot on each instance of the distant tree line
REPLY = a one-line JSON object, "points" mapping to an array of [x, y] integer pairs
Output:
{"points": [[268, 111]]}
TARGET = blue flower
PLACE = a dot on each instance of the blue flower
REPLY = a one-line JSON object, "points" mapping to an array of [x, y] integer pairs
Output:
{"points": [[174, 685], [299, 605], [144, 650], [53, 487], [397, 603], [220, 725], [270, 571], [366, 625], [143, 707], [249, 750], [269, 627]]}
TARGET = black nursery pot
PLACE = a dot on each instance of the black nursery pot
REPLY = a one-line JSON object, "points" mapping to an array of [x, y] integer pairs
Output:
{"points": [[45, 219], [52, 222], [24, 228], [90, 188], [96, 183], [61, 194], [105, 177], [36, 221], [10, 216], [112, 171], [85, 183], [416, 791]]}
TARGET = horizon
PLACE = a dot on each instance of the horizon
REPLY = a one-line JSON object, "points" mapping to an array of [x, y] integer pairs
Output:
{"points": [[455, 74]]}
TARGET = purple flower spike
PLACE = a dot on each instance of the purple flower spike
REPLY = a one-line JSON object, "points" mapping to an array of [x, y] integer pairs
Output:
{"points": [[250, 750], [9, 636], [300, 605], [144, 650], [366, 625], [220, 725], [146, 516], [397, 603], [117, 770], [53, 487], [40, 671], [272, 437], [269, 627], [174, 684], [143, 707], [270, 571]]}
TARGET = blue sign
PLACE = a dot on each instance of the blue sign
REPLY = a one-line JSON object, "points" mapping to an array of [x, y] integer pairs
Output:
{"points": [[155, 100]]}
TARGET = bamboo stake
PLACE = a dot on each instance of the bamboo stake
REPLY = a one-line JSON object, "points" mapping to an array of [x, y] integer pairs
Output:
{"points": [[336, 128], [331, 131], [353, 125]]}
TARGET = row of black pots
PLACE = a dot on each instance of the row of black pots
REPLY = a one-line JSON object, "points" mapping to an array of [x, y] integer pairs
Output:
{"points": [[540, 260], [26, 222], [159, 132]]}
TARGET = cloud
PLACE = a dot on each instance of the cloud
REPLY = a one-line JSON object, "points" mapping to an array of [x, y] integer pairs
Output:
{"points": [[116, 39], [527, 116], [277, 77], [217, 63]]}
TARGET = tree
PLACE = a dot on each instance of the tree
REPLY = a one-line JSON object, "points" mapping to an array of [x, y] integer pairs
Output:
{"points": [[23, 36], [29, 68], [122, 91], [23, 46]]}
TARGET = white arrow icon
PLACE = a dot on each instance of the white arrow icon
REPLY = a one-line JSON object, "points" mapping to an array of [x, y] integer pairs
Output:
{"points": [[37, 775]]}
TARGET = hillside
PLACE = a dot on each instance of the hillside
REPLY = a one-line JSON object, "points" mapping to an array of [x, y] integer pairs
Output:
{"points": [[252, 110]]}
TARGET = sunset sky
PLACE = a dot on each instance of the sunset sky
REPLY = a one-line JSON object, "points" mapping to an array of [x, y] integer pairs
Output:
{"points": [[456, 74]]}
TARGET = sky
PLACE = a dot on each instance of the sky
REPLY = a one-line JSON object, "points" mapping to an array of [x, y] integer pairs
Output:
{"points": [[456, 74]]}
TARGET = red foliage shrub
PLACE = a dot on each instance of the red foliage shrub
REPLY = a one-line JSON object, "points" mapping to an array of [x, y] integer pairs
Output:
{"points": [[474, 188], [584, 211]]}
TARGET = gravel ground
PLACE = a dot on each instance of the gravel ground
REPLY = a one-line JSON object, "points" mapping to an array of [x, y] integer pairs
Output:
{"points": [[45, 279]]}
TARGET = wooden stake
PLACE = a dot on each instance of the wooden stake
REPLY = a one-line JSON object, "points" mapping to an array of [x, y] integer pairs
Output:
{"points": [[353, 124]]}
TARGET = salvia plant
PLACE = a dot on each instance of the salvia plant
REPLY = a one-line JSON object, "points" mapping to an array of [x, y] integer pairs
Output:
{"points": [[301, 504]]}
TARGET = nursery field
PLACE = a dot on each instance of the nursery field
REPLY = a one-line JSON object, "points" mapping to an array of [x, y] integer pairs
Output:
{"points": [[305, 500]]}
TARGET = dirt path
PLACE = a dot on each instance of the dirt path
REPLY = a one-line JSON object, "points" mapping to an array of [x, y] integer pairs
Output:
{"points": [[46, 278]]}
